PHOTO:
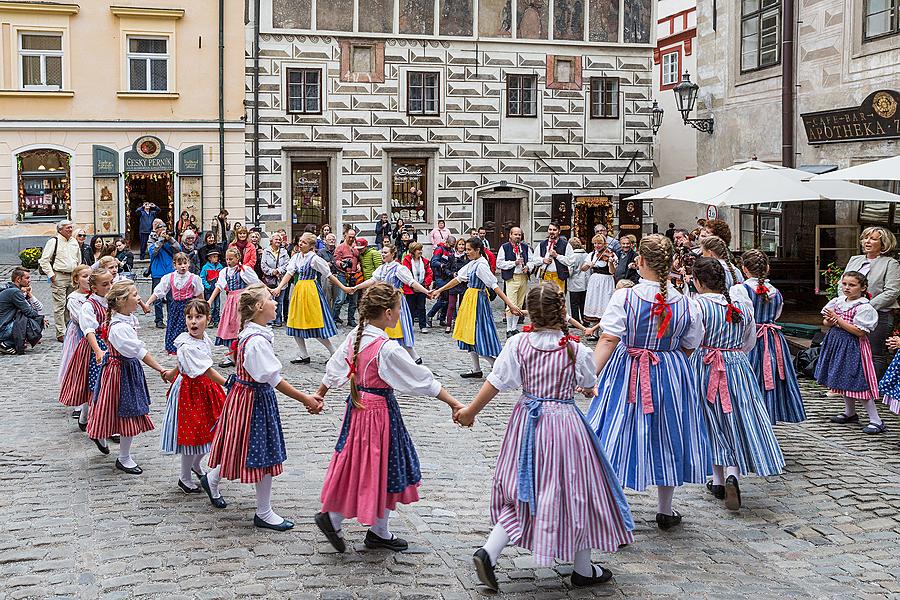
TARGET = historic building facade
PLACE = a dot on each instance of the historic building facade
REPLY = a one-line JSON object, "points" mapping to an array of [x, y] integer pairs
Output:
{"points": [[477, 112]]}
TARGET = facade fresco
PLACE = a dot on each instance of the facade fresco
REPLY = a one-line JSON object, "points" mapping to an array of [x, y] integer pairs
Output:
{"points": [[495, 18], [532, 19]]}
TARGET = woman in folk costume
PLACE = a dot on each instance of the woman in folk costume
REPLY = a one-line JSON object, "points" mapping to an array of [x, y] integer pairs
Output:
{"points": [[374, 466], [122, 402], [195, 398], [248, 444], [602, 283], [232, 280], [740, 433], [647, 412], [474, 329], [554, 491], [183, 286], [395, 274], [80, 279], [771, 356], [309, 315]]}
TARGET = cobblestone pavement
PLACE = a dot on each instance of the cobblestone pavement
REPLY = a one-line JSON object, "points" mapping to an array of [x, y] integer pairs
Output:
{"points": [[75, 527]]}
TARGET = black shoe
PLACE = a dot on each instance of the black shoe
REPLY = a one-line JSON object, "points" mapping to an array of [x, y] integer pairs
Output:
{"points": [[135, 470], [732, 493], [418, 361], [718, 491], [283, 526], [160, 325], [472, 375], [843, 419], [373, 542], [197, 472], [323, 522], [338, 321], [217, 502], [666, 522], [226, 363], [100, 446], [301, 361], [485, 570], [82, 426], [187, 489], [351, 323], [115, 439], [874, 428], [581, 581], [76, 413]]}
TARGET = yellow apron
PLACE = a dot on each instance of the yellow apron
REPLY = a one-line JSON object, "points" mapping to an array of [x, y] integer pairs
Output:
{"points": [[306, 308], [395, 333], [552, 277], [464, 325]]}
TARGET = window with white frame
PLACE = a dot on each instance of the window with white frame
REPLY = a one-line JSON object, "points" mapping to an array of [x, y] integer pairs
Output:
{"points": [[423, 96], [760, 24], [148, 64], [604, 98], [521, 95], [304, 91], [670, 68], [40, 58]]}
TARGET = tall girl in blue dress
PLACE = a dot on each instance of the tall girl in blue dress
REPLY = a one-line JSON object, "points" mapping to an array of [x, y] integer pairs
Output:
{"points": [[474, 328], [770, 357], [740, 434], [183, 285], [647, 412]]}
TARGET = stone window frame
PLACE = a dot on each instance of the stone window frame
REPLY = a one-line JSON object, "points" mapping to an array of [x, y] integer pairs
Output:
{"points": [[761, 12], [574, 84], [521, 77], [860, 47], [287, 89], [376, 75], [437, 91], [663, 85], [596, 108], [895, 18]]}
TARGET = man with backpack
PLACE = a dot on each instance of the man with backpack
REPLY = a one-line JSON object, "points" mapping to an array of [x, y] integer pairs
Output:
{"points": [[61, 254]]}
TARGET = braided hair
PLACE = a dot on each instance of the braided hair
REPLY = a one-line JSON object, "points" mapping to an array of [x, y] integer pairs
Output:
{"points": [[118, 294], [374, 302], [658, 253], [547, 309], [717, 247], [250, 301], [757, 264], [709, 273]]}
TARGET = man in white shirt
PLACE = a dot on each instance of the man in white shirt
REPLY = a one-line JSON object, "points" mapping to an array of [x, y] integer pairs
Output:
{"points": [[553, 257], [61, 254], [512, 260]]}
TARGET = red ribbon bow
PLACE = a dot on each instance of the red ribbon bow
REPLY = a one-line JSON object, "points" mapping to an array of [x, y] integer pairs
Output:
{"points": [[352, 365], [527, 328], [568, 338], [233, 348], [762, 290], [661, 309], [732, 312]]}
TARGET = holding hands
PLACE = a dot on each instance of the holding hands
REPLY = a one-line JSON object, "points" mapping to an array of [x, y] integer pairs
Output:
{"points": [[893, 342], [464, 416], [313, 403]]}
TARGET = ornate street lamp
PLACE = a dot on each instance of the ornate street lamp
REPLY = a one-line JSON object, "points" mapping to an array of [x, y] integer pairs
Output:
{"points": [[685, 98], [656, 117]]}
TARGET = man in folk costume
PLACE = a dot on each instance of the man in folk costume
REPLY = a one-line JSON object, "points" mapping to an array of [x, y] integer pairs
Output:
{"points": [[553, 258], [513, 259]]}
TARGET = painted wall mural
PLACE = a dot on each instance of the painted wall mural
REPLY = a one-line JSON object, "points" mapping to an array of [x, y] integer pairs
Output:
{"points": [[291, 14], [495, 18], [334, 15], [637, 21], [376, 16], [417, 17], [568, 19], [532, 19], [456, 17], [604, 22]]}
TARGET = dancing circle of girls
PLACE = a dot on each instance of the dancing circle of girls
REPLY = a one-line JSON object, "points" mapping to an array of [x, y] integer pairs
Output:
{"points": [[682, 390]]}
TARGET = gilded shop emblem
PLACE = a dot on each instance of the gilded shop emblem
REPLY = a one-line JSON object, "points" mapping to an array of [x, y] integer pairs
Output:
{"points": [[884, 105]]}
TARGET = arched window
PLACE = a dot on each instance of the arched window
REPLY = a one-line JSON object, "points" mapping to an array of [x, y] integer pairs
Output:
{"points": [[44, 185]]}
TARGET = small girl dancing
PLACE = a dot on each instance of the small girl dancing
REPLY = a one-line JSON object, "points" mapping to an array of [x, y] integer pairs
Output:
{"points": [[740, 433], [374, 466], [232, 279], [80, 276], [248, 444], [549, 451], [121, 401], [183, 286], [195, 398], [890, 383], [845, 361]]}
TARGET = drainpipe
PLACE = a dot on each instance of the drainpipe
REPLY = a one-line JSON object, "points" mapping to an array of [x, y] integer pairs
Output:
{"points": [[221, 105], [256, 4], [787, 85]]}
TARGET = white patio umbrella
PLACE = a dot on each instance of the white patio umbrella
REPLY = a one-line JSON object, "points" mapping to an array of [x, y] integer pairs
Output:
{"points": [[757, 182], [877, 170]]}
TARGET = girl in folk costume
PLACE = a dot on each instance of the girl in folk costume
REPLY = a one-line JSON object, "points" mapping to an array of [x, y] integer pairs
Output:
{"points": [[248, 443], [714, 247], [770, 357], [845, 361], [601, 263], [395, 274], [740, 433], [554, 491], [232, 280], [474, 329], [374, 466], [890, 383], [80, 276], [111, 263], [121, 402], [195, 398], [81, 374], [309, 315], [183, 285], [647, 412]]}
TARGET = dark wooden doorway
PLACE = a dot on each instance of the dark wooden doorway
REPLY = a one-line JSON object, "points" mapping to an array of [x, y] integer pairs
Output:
{"points": [[309, 196], [499, 215], [147, 187]]}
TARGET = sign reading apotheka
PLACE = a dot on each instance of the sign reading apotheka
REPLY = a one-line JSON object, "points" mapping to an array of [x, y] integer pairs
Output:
{"points": [[877, 118], [149, 154]]}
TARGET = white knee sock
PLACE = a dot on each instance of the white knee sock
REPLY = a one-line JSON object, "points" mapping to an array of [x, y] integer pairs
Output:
{"points": [[872, 410], [476, 365], [187, 461], [729, 471], [849, 406], [198, 459], [490, 360], [264, 501], [412, 352], [583, 564], [212, 478], [301, 344], [718, 475], [85, 411], [512, 323], [336, 520], [496, 542], [380, 528], [125, 452], [665, 493], [328, 345]]}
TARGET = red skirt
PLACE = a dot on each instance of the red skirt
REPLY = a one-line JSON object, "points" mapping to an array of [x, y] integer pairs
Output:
{"points": [[104, 420], [73, 391], [199, 405]]}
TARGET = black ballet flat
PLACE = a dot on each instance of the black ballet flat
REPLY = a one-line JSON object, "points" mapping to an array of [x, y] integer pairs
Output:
{"points": [[373, 542], [114, 438], [323, 522], [217, 502], [135, 470], [485, 570], [283, 526], [301, 361], [197, 472], [580, 581], [843, 419], [76, 414], [418, 361], [666, 522], [732, 493], [718, 491], [82, 426], [100, 446], [472, 375], [187, 489]]}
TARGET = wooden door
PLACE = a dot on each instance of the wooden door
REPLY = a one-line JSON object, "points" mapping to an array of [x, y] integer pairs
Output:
{"points": [[309, 196], [500, 214]]}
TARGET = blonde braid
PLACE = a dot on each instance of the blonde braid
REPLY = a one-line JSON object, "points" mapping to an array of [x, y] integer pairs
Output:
{"points": [[374, 302], [658, 254], [546, 308]]}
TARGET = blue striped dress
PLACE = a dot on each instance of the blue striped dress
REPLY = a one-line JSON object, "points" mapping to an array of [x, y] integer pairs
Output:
{"points": [[771, 360], [307, 272], [390, 273], [486, 341], [740, 434], [650, 425]]}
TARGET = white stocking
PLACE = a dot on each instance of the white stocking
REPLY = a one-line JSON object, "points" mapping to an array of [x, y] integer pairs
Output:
{"points": [[583, 564], [733, 471], [512, 323], [718, 475], [187, 461], [496, 542], [412, 352], [380, 528], [212, 478], [665, 494], [336, 520], [125, 452], [198, 458], [872, 410], [264, 501], [490, 360], [476, 365], [849, 406], [85, 411], [301, 344], [328, 345]]}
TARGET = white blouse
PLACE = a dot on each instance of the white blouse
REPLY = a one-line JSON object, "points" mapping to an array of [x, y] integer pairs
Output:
{"points": [[74, 303], [124, 338], [395, 366], [393, 268], [88, 320], [259, 354], [507, 371], [195, 356], [165, 284], [482, 270], [318, 264], [615, 319], [749, 334], [866, 317], [247, 274]]}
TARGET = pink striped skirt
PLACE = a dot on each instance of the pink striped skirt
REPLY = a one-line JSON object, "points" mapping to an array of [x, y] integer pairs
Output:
{"points": [[73, 391], [230, 322], [576, 508], [104, 420], [868, 365]]}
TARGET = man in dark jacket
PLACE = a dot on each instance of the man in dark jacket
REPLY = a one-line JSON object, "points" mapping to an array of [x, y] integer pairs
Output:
{"points": [[146, 214], [16, 303], [626, 268]]}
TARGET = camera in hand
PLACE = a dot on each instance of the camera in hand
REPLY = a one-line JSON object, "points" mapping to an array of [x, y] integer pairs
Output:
{"points": [[346, 264]]}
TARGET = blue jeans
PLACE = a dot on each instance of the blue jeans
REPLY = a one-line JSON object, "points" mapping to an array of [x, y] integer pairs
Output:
{"points": [[158, 305], [279, 310], [340, 298], [145, 237], [215, 305], [6, 337]]}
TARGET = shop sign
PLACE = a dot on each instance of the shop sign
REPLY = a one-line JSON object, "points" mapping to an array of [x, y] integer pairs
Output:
{"points": [[631, 217], [190, 161], [149, 154], [407, 174], [561, 212], [877, 118], [106, 162]]}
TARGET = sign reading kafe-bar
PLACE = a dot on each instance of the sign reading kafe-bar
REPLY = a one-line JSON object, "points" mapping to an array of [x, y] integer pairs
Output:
{"points": [[877, 118]]}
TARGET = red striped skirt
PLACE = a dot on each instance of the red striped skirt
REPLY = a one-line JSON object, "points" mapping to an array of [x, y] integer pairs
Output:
{"points": [[232, 435], [104, 420], [73, 391]]}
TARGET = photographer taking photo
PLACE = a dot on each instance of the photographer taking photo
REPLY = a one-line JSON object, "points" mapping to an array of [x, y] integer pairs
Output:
{"points": [[346, 261]]}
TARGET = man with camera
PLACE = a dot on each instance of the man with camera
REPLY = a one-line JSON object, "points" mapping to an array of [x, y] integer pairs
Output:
{"points": [[162, 251], [346, 260]]}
